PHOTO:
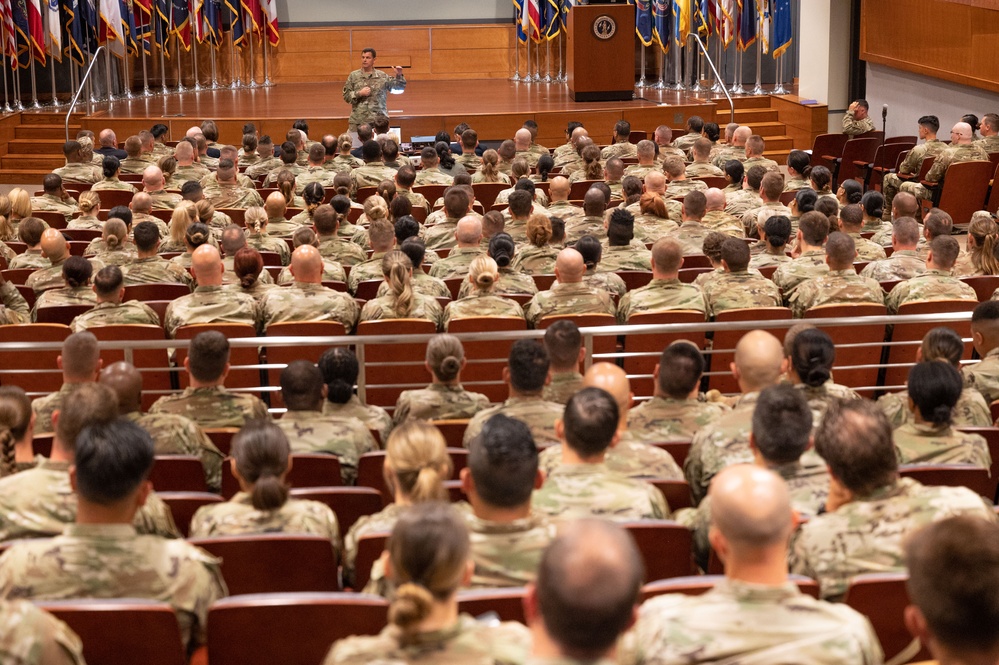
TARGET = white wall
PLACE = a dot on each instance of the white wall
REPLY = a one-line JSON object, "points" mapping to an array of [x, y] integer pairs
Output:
{"points": [[910, 96], [303, 12], [824, 65]]}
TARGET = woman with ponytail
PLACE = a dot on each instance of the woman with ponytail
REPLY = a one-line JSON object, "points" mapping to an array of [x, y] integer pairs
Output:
{"points": [[512, 280], [982, 257], [185, 214], [820, 179], [593, 168], [90, 205], [17, 428], [248, 266], [489, 171], [76, 274], [798, 170], [344, 162], [260, 462], [483, 298], [340, 370], [195, 235], [401, 301], [416, 466], [444, 398], [346, 229], [811, 354], [934, 390], [255, 219], [428, 557], [285, 183], [313, 196], [116, 248]]}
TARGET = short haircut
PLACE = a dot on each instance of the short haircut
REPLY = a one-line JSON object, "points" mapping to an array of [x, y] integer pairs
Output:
{"points": [[852, 215], [841, 250], [930, 122], [695, 203], [935, 387], [757, 145], [406, 227], [906, 230], [680, 368], [30, 230], [455, 202], [503, 461], [855, 439], [772, 185], [814, 227], [782, 424], [712, 245], [371, 151], [938, 223], [146, 235], [301, 385], [528, 365], [80, 355], [208, 355], [735, 253], [521, 203], [563, 341], [620, 228], [109, 279], [777, 230], [112, 460], [87, 404], [953, 574], [945, 251], [754, 177], [987, 311], [667, 255], [590, 421]]}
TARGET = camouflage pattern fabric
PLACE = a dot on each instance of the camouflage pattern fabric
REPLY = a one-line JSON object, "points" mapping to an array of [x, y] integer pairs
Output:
{"points": [[902, 264], [720, 444], [866, 249], [536, 260], [211, 304], [32, 636], [835, 287], [29, 258], [726, 154], [931, 285], [263, 167], [577, 298], [811, 263], [308, 302], [507, 554], [722, 222], [853, 127], [52, 203], [174, 434], [588, 225], [739, 290], [642, 170], [739, 202], [455, 264], [164, 200], [80, 295], [690, 235], [971, 409], [620, 149], [110, 314], [989, 143], [422, 284], [770, 165], [481, 304], [381, 522], [79, 173], [924, 443], [315, 432], [344, 253], [212, 406], [984, 375], [432, 176], [660, 295], [625, 257], [562, 386], [764, 259], [237, 517], [438, 402], [677, 189], [538, 414], [369, 175], [668, 419], [374, 417], [233, 196], [15, 307], [366, 108], [511, 282], [704, 170], [188, 173], [332, 272], [629, 458], [686, 142], [423, 307], [575, 491]]}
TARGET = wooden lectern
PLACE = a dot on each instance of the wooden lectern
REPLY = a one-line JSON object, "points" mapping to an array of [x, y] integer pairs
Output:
{"points": [[600, 52]]}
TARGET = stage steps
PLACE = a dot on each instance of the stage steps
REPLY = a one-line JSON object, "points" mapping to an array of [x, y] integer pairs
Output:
{"points": [[36, 148]]}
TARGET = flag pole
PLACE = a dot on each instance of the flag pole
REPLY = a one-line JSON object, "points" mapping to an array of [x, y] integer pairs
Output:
{"points": [[162, 56], [548, 62], [737, 88], [265, 46], [18, 104], [661, 84], [6, 97], [55, 95], [537, 62], [527, 76], [215, 79], [145, 71], [758, 88], [126, 79], [180, 72], [194, 57], [779, 89], [35, 104], [719, 85], [253, 75], [234, 82], [107, 71], [516, 47], [641, 79]]}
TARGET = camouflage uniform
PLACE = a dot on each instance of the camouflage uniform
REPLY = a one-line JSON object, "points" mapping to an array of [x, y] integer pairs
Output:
{"points": [[467, 641], [507, 554], [263, 167], [212, 406], [29, 258], [344, 253], [722, 222], [622, 149], [15, 307], [164, 200], [233, 196], [739, 202], [423, 284], [375, 418], [511, 282], [174, 434], [836, 287], [315, 432], [741, 622], [32, 636], [954, 154], [685, 142], [642, 170], [432, 176], [931, 285], [370, 175], [720, 444], [112, 314], [312, 174], [536, 260], [902, 264], [422, 307], [795, 184], [52, 203], [135, 165], [820, 397], [984, 375], [854, 127], [194, 171], [811, 263], [677, 189], [807, 481], [113, 561], [40, 502], [763, 259], [438, 402], [441, 235], [971, 409], [629, 458], [85, 223], [866, 249], [865, 535], [690, 235], [770, 165], [668, 419], [455, 264], [536, 412], [481, 304], [578, 298], [626, 257], [574, 491], [211, 304], [660, 295], [589, 225], [891, 183], [308, 302], [271, 179], [332, 272], [562, 386], [924, 443], [237, 517], [80, 173], [989, 143], [80, 295], [564, 210], [704, 170], [366, 108], [754, 218], [739, 290], [262, 242], [725, 154]]}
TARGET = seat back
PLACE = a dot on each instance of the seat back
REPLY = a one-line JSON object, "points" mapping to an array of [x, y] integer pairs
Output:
{"points": [[183, 505], [856, 150], [286, 354], [665, 547], [695, 585], [153, 363], [992, 205], [951, 475], [827, 145], [349, 503], [640, 368], [156, 291], [984, 285], [246, 355], [486, 359], [906, 337], [35, 371], [506, 604], [369, 549], [965, 189], [724, 341], [677, 492], [178, 473], [222, 437], [63, 314], [274, 562], [145, 631], [53, 218], [882, 598], [635, 279], [454, 433], [991, 435], [385, 365], [314, 470], [677, 449], [82, 234], [858, 347], [114, 197], [430, 192], [263, 629], [486, 192]]}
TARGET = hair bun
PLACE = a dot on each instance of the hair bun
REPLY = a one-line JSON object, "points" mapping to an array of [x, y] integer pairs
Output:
{"points": [[411, 605]]}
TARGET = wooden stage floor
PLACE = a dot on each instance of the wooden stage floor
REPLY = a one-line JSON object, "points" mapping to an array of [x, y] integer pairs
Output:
{"points": [[491, 105]]}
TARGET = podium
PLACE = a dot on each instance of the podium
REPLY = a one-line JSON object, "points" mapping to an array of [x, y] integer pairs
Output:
{"points": [[600, 52]]}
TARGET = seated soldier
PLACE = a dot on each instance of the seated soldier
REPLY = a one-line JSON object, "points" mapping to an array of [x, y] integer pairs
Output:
{"points": [[571, 295], [565, 350], [737, 288], [110, 310], [840, 285], [664, 292], [444, 398], [938, 282], [984, 375]]}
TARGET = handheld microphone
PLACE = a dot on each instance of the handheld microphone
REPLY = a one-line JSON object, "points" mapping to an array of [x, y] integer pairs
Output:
{"points": [[884, 112]]}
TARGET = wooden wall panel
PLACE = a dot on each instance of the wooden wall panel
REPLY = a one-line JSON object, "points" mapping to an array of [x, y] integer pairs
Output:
{"points": [[947, 39]]}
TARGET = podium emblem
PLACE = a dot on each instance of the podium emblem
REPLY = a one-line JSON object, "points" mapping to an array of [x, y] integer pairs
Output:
{"points": [[604, 27]]}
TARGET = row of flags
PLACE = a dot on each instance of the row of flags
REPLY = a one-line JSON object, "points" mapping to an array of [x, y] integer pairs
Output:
{"points": [[657, 21], [72, 28]]}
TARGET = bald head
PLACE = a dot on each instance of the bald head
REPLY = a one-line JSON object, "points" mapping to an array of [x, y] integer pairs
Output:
{"points": [[751, 511], [184, 153], [578, 134], [655, 182], [54, 245], [741, 135], [614, 380], [307, 264], [275, 205], [569, 266], [126, 382], [141, 203], [522, 139], [594, 202], [468, 232], [904, 205], [152, 179], [206, 266], [559, 189], [961, 133], [715, 199], [758, 358]]}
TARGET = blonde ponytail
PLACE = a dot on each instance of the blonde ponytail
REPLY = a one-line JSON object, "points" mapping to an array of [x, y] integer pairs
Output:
{"points": [[398, 272]]}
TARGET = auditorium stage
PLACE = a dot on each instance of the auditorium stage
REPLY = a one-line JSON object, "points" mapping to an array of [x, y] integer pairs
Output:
{"points": [[496, 108]]}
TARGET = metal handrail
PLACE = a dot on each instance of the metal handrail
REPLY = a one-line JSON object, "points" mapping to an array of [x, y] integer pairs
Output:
{"points": [[704, 50], [83, 81]]}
